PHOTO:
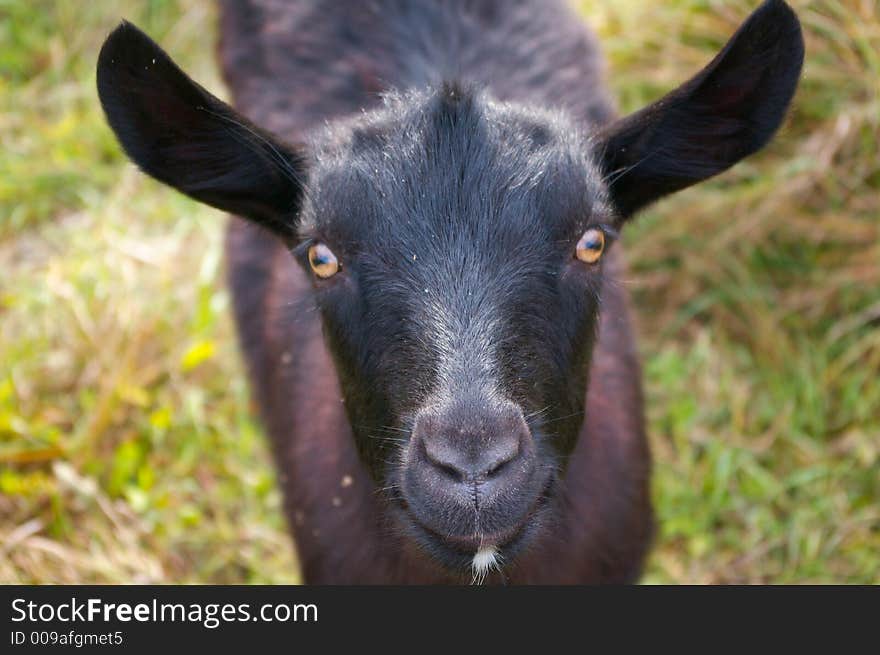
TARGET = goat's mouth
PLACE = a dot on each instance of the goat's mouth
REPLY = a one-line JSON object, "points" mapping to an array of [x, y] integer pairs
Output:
{"points": [[480, 553]]}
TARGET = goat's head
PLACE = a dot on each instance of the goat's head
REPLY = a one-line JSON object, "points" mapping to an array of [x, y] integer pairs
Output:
{"points": [[456, 246]]}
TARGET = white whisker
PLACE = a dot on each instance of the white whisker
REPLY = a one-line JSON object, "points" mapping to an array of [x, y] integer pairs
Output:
{"points": [[486, 559]]}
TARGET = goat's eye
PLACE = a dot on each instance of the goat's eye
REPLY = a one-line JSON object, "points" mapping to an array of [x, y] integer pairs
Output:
{"points": [[323, 261], [590, 247]]}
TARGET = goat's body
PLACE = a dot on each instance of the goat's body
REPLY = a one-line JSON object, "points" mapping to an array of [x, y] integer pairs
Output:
{"points": [[293, 66]]}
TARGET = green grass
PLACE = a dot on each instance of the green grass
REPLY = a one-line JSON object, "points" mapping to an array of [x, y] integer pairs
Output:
{"points": [[128, 447]]}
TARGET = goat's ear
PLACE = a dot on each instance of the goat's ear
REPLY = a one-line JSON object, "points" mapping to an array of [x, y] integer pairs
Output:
{"points": [[180, 134], [726, 112]]}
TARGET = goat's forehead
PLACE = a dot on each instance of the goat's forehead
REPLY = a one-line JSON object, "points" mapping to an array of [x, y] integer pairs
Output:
{"points": [[466, 165]]}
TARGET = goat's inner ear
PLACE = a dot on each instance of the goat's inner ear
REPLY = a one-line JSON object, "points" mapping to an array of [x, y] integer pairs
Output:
{"points": [[726, 112], [180, 134]]}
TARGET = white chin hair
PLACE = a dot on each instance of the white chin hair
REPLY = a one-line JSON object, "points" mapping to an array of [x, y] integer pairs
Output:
{"points": [[485, 559]]}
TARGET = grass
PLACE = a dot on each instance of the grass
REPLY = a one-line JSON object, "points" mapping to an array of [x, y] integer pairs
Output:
{"points": [[128, 447]]}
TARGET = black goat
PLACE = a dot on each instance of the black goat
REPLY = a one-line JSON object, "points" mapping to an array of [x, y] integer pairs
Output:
{"points": [[446, 187]]}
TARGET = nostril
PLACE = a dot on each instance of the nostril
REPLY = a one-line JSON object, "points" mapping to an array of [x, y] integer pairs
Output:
{"points": [[449, 471], [501, 463], [497, 469], [442, 464]]}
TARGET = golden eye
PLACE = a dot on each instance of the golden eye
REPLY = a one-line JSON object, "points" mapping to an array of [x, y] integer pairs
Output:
{"points": [[323, 261], [591, 245]]}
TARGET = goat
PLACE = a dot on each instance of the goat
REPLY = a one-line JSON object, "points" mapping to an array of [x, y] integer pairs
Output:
{"points": [[423, 281]]}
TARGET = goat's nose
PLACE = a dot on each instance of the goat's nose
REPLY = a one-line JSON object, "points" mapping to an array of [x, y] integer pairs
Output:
{"points": [[469, 455]]}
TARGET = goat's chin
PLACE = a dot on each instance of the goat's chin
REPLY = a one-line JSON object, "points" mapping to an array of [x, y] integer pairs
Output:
{"points": [[478, 558]]}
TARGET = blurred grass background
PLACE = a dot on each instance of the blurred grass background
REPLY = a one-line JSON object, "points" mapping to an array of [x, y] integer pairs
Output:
{"points": [[128, 447]]}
